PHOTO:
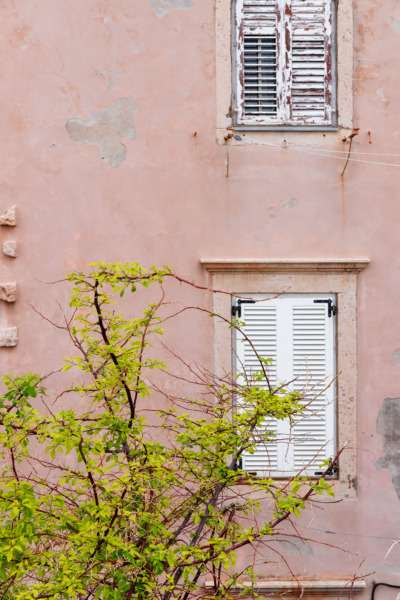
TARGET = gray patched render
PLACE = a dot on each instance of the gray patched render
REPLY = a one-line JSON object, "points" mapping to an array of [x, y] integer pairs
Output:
{"points": [[106, 129], [291, 204], [162, 7], [395, 24], [292, 545], [396, 356], [388, 425]]}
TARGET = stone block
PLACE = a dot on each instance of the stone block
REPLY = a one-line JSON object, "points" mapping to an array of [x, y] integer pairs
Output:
{"points": [[8, 291], [9, 217], [8, 337], [10, 248]]}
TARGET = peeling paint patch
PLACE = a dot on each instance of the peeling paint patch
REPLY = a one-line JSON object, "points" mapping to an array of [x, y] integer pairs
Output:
{"points": [[396, 356], [291, 204], [388, 425], [395, 24], [106, 129], [292, 545], [108, 22], [111, 74], [162, 7], [381, 94]]}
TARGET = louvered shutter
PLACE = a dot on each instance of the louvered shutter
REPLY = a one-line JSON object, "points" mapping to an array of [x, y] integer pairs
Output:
{"points": [[283, 60], [310, 57], [261, 329], [258, 60], [313, 369], [299, 337]]}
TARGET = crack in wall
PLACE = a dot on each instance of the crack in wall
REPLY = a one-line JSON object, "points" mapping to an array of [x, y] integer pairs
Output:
{"points": [[106, 129]]}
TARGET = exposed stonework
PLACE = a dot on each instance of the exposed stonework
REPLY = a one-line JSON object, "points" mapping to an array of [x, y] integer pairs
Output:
{"points": [[162, 7], [10, 248], [8, 337], [8, 291], [9, 217], [388, 425], [106, 129]]}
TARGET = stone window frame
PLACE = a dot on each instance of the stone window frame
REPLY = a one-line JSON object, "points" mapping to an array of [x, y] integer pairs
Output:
{"points": [[337, 277], [286, 135]]}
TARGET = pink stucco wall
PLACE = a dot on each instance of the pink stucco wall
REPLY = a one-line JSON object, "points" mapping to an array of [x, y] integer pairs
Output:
{"points": [[169, 201]]}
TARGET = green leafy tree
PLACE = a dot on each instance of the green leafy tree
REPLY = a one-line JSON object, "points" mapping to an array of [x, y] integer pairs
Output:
{"points": [[100, 502]]}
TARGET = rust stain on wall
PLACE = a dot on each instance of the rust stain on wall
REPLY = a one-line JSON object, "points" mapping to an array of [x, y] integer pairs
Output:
{"points": [[106, 129]]}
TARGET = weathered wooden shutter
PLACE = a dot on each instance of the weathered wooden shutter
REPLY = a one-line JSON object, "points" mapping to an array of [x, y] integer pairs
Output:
{"points": [[311, 63], [257, 60], [283, 57], [299, 336]]}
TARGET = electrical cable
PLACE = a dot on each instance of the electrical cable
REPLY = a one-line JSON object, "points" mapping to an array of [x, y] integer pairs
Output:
{"points": [[375, 585]]}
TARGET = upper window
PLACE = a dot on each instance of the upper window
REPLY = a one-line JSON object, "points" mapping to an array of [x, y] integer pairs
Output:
{"points": [[284, 63]]}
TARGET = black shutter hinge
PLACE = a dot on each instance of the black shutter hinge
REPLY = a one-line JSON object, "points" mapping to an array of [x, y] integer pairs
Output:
{"points": [[332, 309], [237, 308], [332, 470]]}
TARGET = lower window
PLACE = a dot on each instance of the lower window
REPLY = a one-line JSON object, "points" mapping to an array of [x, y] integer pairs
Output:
{"points": [[307, 344]]}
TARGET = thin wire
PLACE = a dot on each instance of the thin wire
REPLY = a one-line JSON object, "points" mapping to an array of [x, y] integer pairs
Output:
{"points": [[359, 535], [360, 160], [324, 155], [353, 152]]}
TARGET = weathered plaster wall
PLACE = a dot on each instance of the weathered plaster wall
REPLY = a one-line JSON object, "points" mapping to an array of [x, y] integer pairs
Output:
{"points": [[134, 83]]}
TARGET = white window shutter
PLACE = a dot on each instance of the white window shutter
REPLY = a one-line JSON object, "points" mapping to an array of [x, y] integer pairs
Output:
{"points": [[313, 371], [298, 335], [311, 62], [261, 329]]}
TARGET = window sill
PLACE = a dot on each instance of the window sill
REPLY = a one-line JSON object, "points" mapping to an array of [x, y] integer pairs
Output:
{"points": [[285, 128], [305, 589], [286, 137]]}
